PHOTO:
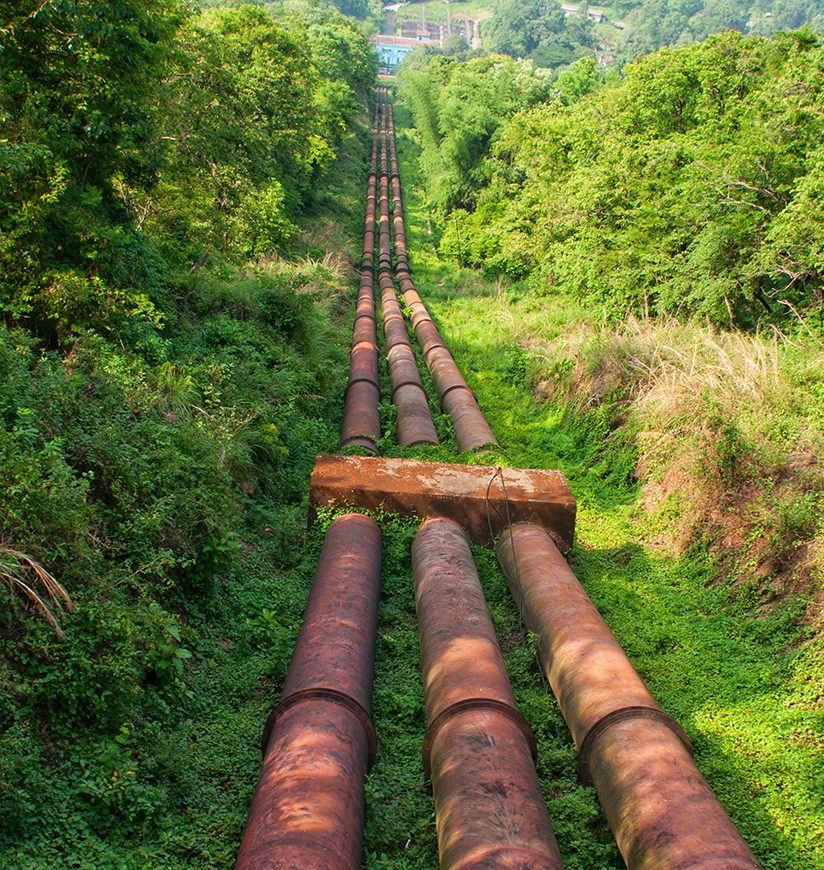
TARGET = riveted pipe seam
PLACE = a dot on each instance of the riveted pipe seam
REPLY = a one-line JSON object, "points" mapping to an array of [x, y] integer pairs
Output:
{"points": [[621, 715], [360, 380], [452, 389], [359, 441], [408, 383]]}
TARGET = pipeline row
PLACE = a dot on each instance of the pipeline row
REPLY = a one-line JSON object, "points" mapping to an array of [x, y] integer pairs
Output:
{"points": [[319, 742], [660, 808], [472, 431], [479, 752], [361, 418], [361, 425], [414, 420]]}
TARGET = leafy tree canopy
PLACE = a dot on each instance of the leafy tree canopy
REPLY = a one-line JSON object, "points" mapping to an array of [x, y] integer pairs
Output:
{"points": [[693, 186], [538, 29], [136, 132]]}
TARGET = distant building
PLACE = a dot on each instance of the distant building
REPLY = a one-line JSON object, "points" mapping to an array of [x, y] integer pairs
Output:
{"points": [[596, 15], [393, 49], [420, 31]]}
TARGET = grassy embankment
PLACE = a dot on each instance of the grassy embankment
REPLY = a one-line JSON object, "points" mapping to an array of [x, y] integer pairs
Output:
{"points": [[177, 646], [726, 647]]}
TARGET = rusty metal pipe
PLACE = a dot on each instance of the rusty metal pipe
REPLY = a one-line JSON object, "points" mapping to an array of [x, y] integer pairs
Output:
{"points": [[472, 431], [659, 806], [394, 328], [364, 330], [414, 419], [308, 808], [361, 421], [363, 361], [471, 428], [479, 750]]}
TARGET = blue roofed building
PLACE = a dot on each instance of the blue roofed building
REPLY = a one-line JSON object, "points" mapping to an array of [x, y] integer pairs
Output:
{"points": [[393, 49]]}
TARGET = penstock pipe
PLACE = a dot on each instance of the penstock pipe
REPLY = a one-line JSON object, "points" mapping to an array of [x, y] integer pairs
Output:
{"points": [[660, 808], [414, 419], [472, 430], [308, 808], [478, 750], [361, 426]]}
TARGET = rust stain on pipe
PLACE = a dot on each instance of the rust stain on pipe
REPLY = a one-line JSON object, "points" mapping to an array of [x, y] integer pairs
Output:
{"points": [[363, 362], [660, 808], [308, 809], [361, 420], [414, 422], [488, 804], [471, 428]]}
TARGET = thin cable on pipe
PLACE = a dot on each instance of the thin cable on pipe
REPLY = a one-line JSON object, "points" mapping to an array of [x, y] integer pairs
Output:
{"points": [[520, 601]]}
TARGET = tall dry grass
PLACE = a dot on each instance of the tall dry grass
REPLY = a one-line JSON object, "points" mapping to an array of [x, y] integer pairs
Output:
{"points": [[29, 582], [728, 429]]}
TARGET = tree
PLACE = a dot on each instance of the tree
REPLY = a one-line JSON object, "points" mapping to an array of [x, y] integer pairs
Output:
{"points": [[78, 82], [538, 29], [695, 186]]}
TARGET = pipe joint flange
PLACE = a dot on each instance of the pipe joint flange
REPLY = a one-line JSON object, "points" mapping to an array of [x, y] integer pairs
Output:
{"points": [[621, 715], [428, 350], [409, 383], [321, 694], [361, 379], [368, 442], [452, 389], [474, 704]]}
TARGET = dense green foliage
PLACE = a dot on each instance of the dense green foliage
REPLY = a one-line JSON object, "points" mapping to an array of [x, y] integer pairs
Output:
{"points": [[653, 24], [135, 134], [690, 187], [163, 384], [539, 30], [620, 31], [458, 107]]}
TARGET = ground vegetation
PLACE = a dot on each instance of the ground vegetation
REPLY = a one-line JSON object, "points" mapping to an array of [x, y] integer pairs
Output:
{"points": [[171, 360]]}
